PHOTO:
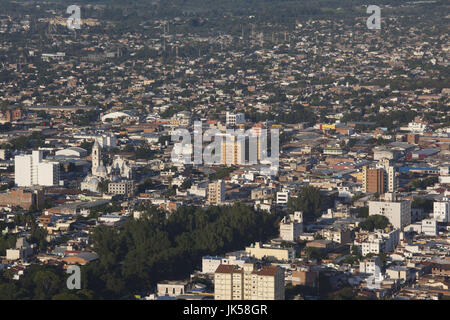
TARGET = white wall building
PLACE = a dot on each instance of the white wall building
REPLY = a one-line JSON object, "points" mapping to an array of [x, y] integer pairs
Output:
{"points": [[417, 127], [441, 210], [430, 227], [398, 212], [31, 170], [291, 227], [369, 265], [282, 197], [199, 190], [234, 119], [380, 241], [211, 263]]}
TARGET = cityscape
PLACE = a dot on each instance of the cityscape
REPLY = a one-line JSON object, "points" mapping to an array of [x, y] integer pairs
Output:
{"points": [[224, 150]]}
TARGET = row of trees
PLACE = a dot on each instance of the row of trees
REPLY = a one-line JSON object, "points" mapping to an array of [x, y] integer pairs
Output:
{"points": [[153, 248]]}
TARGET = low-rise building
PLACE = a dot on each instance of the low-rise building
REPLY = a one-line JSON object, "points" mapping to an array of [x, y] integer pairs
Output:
{"points": [[270, 251], [291, 226]]}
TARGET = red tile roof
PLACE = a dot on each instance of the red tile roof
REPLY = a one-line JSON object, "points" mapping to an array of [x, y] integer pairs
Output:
{"points": [[225, 268]]}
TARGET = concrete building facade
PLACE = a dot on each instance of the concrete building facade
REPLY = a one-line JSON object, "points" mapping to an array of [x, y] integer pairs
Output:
{"points": [[31, 170], [248, 283]]}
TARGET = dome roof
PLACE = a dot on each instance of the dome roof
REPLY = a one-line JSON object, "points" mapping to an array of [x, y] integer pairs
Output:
{"points": [[93, 180], [101, 169]]}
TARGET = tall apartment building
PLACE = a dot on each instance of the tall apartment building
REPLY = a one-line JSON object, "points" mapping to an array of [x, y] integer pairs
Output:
{"points": [[257, 133], [441, 210], [216, 192], [232, 150], [373, 180], [248, 283], [390, 176], [398, 212], [381, 179], [30, 170]]}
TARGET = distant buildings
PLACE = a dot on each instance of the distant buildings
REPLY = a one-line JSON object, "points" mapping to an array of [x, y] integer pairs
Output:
{"points": [[119, 115], [333, 150], [429, 227], [309, 278], [104, 140], [378, 241], [22, 250], [416, 126], [30, 171], [339, 235], [248, 283], [10, 114], [22, 198], [171, 288]]}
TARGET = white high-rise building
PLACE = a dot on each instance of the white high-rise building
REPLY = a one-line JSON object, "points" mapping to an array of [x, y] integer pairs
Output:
{"points": [[398, 212], [390, 179], [441, 210], [30, 170]]}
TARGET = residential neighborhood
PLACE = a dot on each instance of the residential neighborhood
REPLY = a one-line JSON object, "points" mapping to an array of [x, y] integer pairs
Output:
{"points": [[172, 156]]}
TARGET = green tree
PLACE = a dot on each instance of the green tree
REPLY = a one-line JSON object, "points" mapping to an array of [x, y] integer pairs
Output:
{"points": [[47, 284], [308, 200], [374, 222]]}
